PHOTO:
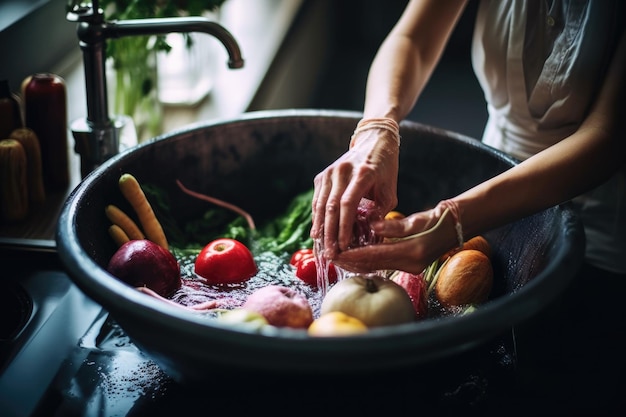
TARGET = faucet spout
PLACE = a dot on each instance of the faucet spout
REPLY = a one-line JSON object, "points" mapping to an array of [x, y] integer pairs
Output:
{"points": [[162, 26], [97, 140]]}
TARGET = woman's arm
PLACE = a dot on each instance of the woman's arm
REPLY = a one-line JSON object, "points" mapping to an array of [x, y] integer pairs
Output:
{"points": [[369, 169], [569, 168], [408, 56]]}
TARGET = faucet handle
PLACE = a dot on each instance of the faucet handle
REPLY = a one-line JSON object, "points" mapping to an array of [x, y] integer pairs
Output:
{"points": [[77, 11]]}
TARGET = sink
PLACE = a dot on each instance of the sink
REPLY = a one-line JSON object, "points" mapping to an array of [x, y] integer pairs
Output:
{"points": [[260, 161]]}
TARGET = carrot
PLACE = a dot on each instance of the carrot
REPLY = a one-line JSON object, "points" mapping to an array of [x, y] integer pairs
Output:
{"points": [[135, 196], [118, 235], [122, 220]]}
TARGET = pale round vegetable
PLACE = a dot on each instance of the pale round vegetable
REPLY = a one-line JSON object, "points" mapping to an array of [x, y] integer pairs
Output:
{"points": [[374, 300]]}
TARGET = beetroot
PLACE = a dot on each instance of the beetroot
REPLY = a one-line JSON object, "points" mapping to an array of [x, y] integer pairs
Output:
{"points": [[281, 306], [415, 286], [143, 263], [362, 233]]}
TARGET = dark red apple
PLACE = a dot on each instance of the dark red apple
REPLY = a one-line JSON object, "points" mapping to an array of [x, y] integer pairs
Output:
{"points": [[143, 263], [281, 306]]}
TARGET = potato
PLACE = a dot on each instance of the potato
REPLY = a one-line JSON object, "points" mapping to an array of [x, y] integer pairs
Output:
{"points": [[467, 278]]}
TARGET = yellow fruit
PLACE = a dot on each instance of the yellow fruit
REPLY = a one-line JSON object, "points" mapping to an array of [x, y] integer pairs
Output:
{"points": [[336, 323], [394, 215], [466, 278]]}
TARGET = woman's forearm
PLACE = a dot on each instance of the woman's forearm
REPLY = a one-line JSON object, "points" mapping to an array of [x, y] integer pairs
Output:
{"points": [[408, 56]]}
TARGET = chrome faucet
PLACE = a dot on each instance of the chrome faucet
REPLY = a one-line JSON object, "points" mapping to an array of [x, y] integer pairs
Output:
{"points": [[97, 138]]}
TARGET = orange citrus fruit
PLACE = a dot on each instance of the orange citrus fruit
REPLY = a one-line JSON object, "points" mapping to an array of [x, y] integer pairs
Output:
{"points": [[336, 323], [394, 215]]}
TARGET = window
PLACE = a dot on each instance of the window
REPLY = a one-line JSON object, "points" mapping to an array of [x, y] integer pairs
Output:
{"points": [[34, 37]]}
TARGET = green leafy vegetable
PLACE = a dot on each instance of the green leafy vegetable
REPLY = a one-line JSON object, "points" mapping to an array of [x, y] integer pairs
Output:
{"points": [[286, 233], [290, 231]]}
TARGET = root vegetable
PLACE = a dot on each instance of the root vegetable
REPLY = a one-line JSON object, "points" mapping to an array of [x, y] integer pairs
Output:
{"points": [[374, 300], [362, 233], [135, 196], [416, 287], [118, 235], [220, 203], [466, 278], [281, 306], [124, 222]]}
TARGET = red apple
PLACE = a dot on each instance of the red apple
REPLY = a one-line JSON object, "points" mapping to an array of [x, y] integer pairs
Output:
{"points": [[143, 263], [224, 261], [416, 287], [281, 306]]}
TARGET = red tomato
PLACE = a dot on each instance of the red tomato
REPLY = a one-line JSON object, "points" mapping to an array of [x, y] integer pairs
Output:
{"points": [[225, 260], [300, 255], [307, 271]]}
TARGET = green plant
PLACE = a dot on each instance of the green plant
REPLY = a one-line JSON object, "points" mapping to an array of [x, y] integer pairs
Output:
{"points": [[141, 9], [133, 57]]}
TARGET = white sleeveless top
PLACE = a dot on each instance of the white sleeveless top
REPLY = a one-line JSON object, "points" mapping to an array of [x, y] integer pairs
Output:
{"points": [[540, 76]]}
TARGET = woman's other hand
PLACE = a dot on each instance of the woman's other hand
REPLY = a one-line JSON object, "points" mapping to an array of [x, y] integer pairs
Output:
{"points": [[410, 244]]}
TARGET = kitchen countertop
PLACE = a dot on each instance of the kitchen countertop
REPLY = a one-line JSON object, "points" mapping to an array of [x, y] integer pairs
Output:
{"points": [[259, 26]]}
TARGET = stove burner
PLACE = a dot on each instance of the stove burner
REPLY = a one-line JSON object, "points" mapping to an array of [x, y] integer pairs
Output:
{"points": [[43, 317], [16, 307]]}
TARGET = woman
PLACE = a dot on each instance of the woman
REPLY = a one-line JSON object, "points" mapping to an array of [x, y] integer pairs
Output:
{"points": [[553, 73], [553, 76]]}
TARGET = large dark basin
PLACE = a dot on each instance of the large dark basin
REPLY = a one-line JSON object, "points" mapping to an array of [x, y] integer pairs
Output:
{"points": [[260, 161]]}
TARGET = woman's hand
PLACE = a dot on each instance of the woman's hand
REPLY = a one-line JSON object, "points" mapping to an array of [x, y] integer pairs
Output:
{"points": [[410, 245], [369, 169]]}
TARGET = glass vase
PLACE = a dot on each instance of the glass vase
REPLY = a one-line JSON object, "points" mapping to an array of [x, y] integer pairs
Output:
{"points": [[132, 79], [187, 71]]}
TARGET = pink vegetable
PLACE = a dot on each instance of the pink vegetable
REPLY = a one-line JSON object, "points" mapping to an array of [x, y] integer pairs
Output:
{"points": [[363, 234]]}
